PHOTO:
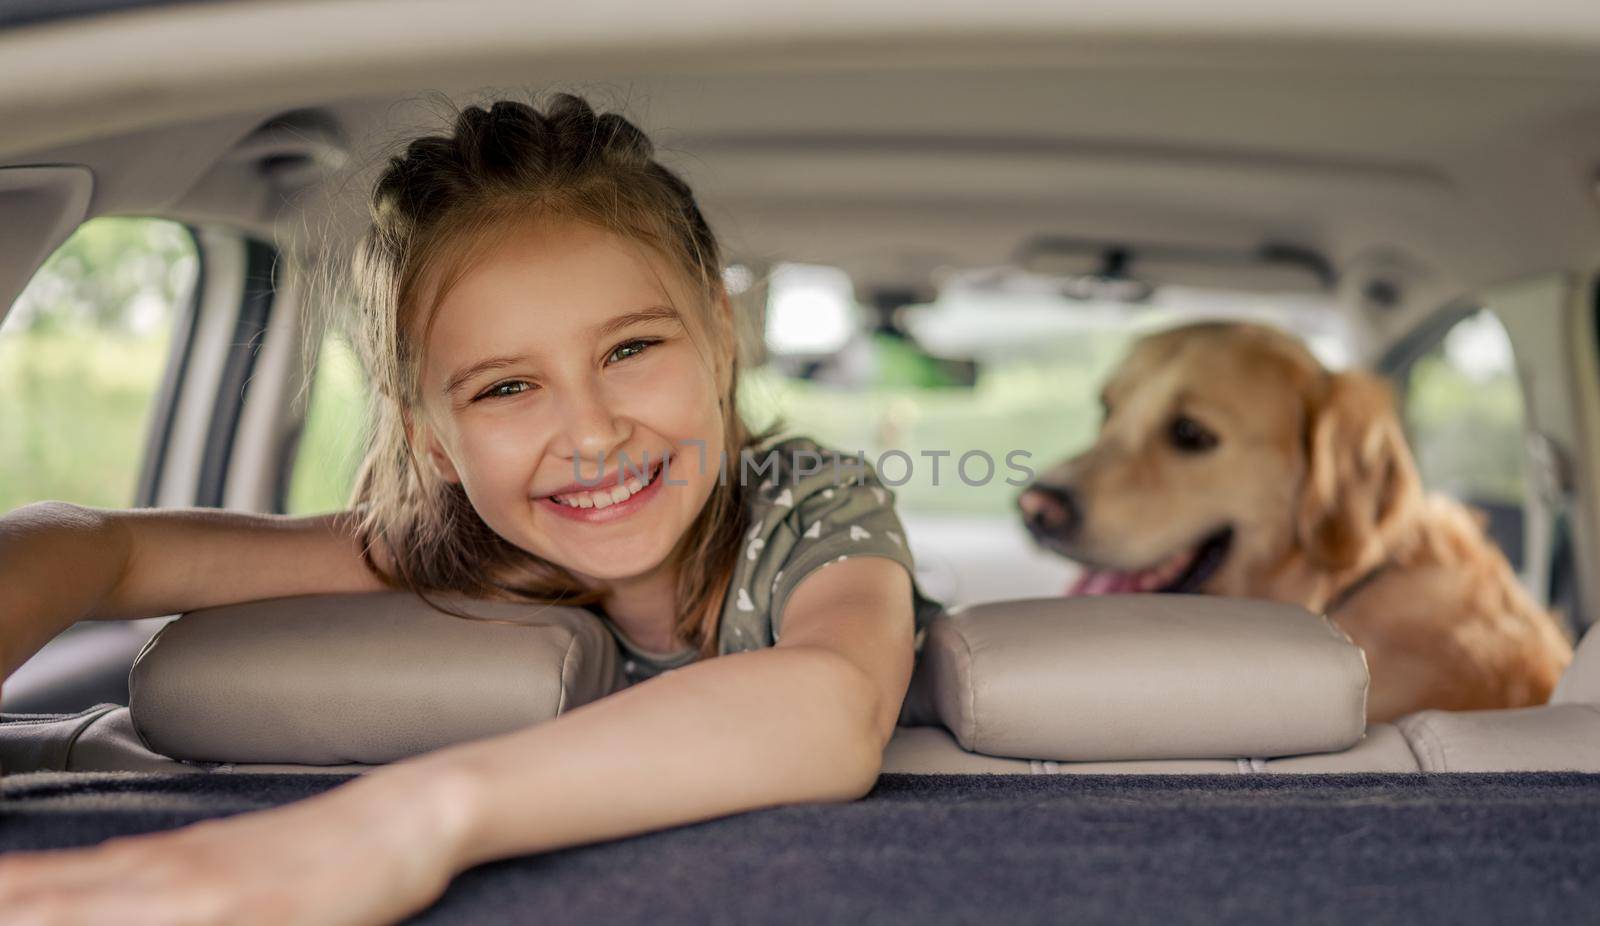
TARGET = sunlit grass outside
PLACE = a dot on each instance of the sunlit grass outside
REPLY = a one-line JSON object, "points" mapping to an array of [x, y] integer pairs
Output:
{"points": [[334, 437], [82, 355], [1467, 434], [74, 414]]}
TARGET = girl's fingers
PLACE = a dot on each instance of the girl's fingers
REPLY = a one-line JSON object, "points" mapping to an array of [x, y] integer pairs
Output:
{"points": [[123, 880], [77, 908], [24, 874], [273, 867], [95, 908], [66, 893]]}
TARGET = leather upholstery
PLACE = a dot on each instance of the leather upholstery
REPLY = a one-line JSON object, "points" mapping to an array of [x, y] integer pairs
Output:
{"points": [[1557, 737], [1560, 736], [1580, 684], [933, 751], [1383, 749], [366, 679], [43, 742], [1552, 738], [1129, 677]]}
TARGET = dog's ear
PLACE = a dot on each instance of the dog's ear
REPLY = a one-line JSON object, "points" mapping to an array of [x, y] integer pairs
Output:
{"points": [[1360, 478]]}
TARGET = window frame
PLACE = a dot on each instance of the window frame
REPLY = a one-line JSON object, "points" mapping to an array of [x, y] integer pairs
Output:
{"points": [[158, 437], [1537, 571], [256, 300]]}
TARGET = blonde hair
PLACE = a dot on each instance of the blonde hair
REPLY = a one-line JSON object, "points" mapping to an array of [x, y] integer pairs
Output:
{"points": [[431, 207]]}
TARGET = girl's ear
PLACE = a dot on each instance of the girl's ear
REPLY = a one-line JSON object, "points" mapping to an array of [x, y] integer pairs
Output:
{"points": [[421, 437], [441, 461]]}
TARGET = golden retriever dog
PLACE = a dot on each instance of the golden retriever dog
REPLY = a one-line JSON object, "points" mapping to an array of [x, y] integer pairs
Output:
{"points": [[1231, 462]]}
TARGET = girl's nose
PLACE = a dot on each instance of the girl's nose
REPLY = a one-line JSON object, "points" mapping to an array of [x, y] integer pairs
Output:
{"points": [[591, 428]]}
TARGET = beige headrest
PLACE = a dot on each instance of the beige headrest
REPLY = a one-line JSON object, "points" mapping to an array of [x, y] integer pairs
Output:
{"points": [[1122, 677], [335, 679]]}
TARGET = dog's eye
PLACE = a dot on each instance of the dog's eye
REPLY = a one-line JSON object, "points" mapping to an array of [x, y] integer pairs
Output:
{"points": [[1190, 436]]}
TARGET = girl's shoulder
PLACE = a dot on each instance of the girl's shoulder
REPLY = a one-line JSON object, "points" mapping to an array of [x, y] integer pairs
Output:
{"points": [[804, 466], [810, 505]]}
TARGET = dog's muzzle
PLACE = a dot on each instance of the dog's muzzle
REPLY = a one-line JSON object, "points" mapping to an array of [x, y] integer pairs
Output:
{"points": [[1050, 512]]}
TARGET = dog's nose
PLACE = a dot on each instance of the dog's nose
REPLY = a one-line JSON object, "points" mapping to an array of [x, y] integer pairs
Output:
{"points": [[1050, 511]]}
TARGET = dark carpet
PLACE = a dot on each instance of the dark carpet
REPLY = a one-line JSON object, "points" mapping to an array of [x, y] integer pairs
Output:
{"points": [[995, 849]]}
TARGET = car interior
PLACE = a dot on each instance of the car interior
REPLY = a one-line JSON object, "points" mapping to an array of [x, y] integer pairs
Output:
{"points": [[944, 227]]}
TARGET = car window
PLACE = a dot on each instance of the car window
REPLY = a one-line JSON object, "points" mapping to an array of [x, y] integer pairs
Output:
{"points": [[1464, 416], [83, 353], [1003, 373], [329, 452]]}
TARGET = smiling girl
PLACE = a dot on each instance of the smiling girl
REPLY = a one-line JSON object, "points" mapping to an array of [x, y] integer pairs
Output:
{"points": [[543, 317]]}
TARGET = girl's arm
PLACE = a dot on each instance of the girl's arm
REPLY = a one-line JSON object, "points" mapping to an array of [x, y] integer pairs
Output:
{"points": [[62, 563], [804, 721]]}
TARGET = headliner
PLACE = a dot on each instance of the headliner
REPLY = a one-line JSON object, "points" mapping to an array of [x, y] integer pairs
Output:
{"points": [[1446, 150]]}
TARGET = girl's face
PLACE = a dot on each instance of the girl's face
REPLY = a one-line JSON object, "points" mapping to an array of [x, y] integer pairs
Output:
{"points": [[559, 359]]}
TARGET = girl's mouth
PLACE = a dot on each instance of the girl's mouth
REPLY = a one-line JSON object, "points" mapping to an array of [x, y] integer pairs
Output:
{"points": [[603, 505]]}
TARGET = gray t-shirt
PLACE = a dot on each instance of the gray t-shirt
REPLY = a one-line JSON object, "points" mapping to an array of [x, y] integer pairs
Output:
{"points": [[808, 506]]}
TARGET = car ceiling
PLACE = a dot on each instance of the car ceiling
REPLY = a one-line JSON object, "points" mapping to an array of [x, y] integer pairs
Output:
{"points": [[1441, 155]]}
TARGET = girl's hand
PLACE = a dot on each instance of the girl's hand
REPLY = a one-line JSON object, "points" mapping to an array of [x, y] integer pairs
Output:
{"points": [[328, 860]]}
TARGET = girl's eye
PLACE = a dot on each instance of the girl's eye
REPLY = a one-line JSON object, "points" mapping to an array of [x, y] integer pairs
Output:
{"points": [[503, 390], [631, 349]]}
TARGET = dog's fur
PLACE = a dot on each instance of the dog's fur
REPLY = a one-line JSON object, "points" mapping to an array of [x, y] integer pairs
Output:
{"points": [[1311, 472]]}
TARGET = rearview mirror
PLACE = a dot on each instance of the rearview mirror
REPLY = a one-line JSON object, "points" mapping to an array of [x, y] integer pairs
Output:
{"points": [[1132, 272]]}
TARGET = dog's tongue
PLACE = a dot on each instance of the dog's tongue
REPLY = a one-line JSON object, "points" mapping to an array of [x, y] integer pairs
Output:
{"points": [[1103, 582], [1115, 582]]}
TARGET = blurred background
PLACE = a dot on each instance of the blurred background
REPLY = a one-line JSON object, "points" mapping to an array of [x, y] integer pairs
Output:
{"points": [[999, 360]]}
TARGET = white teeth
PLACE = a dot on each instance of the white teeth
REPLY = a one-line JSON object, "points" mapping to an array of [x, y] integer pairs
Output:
{"points": [[597, 499], [604, 498]]}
